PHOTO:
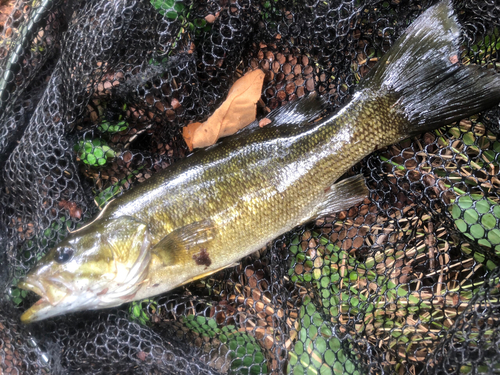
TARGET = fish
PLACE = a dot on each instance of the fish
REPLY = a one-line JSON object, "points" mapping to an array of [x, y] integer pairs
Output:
{"points": [[222, 203]]}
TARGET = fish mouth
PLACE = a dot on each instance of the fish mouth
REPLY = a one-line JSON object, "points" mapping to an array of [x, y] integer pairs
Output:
{"points": [[46, 306], [33, 286]]}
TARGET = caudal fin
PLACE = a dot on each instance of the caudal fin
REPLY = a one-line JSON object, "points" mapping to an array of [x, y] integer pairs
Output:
{"points": [[423, 71]]}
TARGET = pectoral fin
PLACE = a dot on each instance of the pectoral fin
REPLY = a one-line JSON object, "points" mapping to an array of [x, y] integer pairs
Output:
{"points": [[182, 257], [186, 245], [342, 195]]}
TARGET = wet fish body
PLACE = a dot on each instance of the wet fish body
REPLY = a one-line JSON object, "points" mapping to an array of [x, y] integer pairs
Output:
{"points": [[225, 202]]}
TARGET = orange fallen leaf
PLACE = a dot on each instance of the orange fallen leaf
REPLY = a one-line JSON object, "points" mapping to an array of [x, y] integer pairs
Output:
{"points": [[237, 111]]}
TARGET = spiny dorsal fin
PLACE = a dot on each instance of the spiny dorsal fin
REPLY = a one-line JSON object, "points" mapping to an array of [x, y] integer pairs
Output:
{"points": [[301, 111], [298, 112]]}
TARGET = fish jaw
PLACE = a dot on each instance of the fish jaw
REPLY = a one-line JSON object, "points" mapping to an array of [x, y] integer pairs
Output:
{"points": [[40, 310], [59, 298], [43, 309], [55, 300]]}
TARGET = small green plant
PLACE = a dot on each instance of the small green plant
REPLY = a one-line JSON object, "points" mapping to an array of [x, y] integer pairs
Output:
{"points": [[364, 295], [171, 9], [107, 194], [243, 349], [483, 51], [477, 218], [317, 350], [58, 229], [95, 152], [176, 10], [108, 127], [138, 310], [48, 238], [17, 295]]}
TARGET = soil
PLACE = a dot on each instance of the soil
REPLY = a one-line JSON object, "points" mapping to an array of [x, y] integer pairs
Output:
{"points": [[6, 7]]}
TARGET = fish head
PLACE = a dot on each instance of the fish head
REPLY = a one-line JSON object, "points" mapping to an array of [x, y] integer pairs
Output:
{"points": [[101, 265]]}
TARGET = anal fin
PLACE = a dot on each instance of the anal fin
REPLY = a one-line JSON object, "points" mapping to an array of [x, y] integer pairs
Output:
{"points": [[342, 195]]}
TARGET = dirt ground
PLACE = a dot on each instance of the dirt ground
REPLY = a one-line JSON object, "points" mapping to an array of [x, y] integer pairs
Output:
{"points": [[5, 9]]}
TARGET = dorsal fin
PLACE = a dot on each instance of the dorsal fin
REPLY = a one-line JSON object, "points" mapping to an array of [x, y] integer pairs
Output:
{"points": [[301, 111], [298, 112]]}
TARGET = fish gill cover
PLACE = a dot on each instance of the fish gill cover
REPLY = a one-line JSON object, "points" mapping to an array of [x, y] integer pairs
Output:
{"points": [[94, 98]]}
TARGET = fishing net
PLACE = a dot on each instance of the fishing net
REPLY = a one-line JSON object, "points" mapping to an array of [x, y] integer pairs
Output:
{"points": [[94, 96]]}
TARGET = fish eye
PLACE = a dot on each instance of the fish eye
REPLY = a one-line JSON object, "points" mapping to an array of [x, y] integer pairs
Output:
{"points": [[64, 254]]}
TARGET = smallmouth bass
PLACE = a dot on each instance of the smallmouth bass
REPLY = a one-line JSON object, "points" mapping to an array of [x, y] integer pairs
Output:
{"points": [[223, 203]]}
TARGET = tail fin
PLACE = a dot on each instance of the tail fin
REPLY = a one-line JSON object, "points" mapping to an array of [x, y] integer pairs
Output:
{"points": [[422, 69]]}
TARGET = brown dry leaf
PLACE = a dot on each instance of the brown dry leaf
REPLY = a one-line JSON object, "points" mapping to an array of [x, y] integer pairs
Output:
{"points": [[74, 210], [237, 111]]}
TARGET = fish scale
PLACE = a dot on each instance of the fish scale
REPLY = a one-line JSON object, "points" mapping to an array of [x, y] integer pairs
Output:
{"points": [[221, 204]]}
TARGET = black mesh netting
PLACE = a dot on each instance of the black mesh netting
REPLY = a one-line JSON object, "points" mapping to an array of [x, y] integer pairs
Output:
{"points": [[93, 98]]}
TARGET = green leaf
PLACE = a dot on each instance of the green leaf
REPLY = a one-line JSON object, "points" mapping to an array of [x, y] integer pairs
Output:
{"points": [[490, 265], [317, 320], [89, 159], [321, 344], [477, 231], [455, 211], [304, 359], [484, 242], [482, 206], [330, 357], [496, 146], [91, 152], [136, 310], [402, 292], [179, 7], [212, 323], [299, 348], [471, 216], [465, 201], [311, 309], [298, 370], [490, 155], [462, 227], [469, 138], [171, 15], [494, 236], [325, 281], [496, 211], [489, 221], [313, 332], [334, 344]]}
